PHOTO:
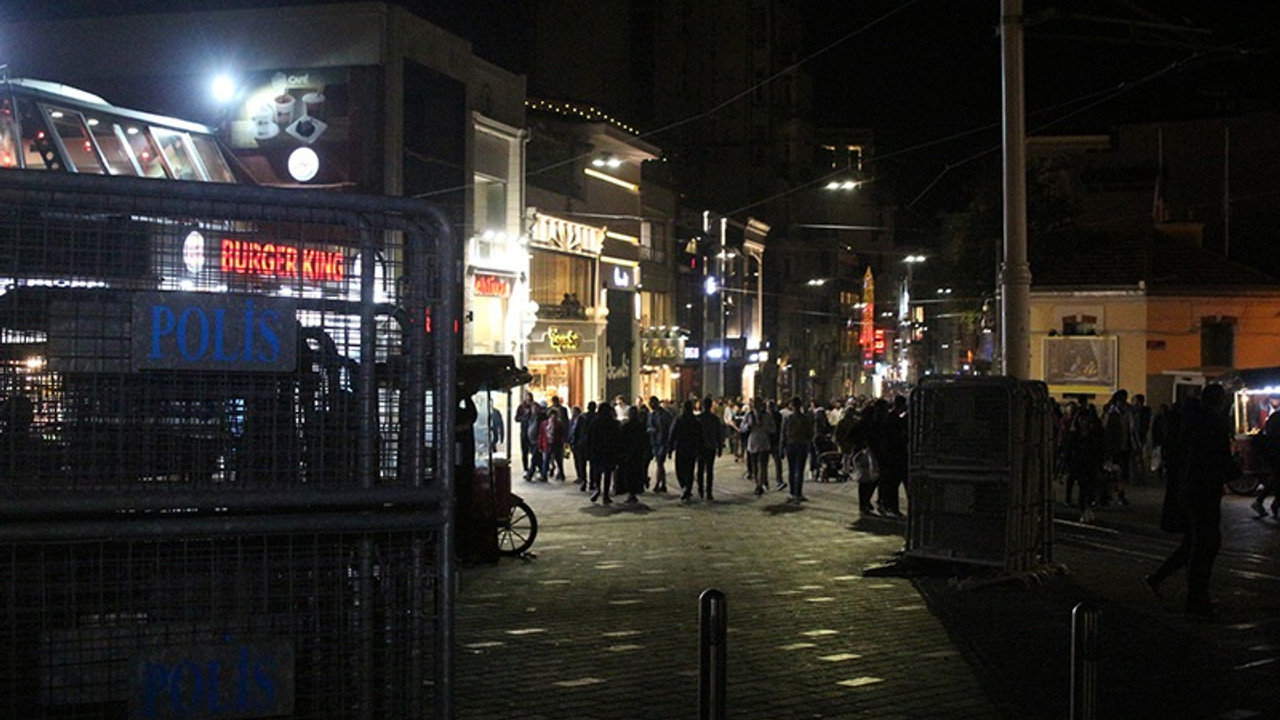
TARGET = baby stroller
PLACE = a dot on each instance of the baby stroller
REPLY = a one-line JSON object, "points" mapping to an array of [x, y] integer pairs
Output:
{"points": [[830, 465]]}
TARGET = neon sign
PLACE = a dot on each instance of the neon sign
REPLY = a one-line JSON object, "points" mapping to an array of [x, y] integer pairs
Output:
{"points": [[270, 260], [492, 286]]}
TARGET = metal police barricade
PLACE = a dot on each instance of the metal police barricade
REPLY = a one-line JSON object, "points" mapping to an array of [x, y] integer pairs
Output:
{"points": [[980, 473], [222, 487]]}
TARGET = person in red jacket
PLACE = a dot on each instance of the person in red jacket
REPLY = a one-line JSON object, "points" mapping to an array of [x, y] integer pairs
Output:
{"points": [[551, 436]]}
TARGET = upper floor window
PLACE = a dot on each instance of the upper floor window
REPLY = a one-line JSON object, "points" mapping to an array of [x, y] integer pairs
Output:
{"points": [[1218, 341]]}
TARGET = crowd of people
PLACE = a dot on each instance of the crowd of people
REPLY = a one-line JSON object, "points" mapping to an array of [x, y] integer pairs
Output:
{"points": [[621, 448]]}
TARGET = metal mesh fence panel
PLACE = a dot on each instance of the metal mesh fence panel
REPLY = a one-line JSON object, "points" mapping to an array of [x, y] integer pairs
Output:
{"points": [[222, 490]]}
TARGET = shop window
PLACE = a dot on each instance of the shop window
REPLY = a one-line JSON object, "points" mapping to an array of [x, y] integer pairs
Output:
{"points": [[1218, 341], [75, 138]]}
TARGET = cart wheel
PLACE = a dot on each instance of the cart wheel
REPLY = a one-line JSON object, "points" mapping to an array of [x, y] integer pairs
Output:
{"points": [[1246, 484], [517, 534]]}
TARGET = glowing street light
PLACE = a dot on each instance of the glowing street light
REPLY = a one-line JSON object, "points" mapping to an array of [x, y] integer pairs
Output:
{"points": [[223, 88]]}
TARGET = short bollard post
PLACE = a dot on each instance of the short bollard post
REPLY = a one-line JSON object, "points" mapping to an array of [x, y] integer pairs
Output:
{"points": [[1084, 661], [712, 656]]}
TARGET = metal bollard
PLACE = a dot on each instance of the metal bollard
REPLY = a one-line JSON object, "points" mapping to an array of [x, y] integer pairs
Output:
{"points": [[713, 658], [1084, 661]]}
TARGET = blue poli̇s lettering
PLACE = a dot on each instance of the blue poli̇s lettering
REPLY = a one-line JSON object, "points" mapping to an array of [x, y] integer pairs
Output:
{"points": [[163, 322], [176, 685], [263, 675], [268, 326], [219, 337], [242, 679], [156, 682], [215, 674], [248, 331], [184, 334]]}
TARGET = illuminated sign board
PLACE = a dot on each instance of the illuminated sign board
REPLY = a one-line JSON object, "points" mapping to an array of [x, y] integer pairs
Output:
{"points": [[491, 286], [620, 277], [561, 341], [278, 260], [207, 331]]}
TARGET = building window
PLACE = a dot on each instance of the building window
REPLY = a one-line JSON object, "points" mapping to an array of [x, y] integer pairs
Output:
{"points": [[1218, 341], [1080, 325], [552, 275]]}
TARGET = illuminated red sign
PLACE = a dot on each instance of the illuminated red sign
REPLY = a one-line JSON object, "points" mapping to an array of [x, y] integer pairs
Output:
{"points": [[270, 260], [492, 286], [879, 342]]}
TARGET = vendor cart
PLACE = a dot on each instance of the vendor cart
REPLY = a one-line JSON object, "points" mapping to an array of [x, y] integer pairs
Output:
{"points": [[1256, 393], [492, 521]]}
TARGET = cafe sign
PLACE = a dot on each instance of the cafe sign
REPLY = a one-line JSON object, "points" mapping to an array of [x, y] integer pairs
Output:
{"points": [[563, 340]]}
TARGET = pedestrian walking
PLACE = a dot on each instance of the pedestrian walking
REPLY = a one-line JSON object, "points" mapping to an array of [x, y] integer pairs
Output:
{"points": [[687, 443], [758, 424], [529, 427], [1119, 434], [713, 437], [890, 447], [578, 444], [526, 412], [1200, 465], [551, 438], [659, 429], [775, 439], [1267, 445], [797, 436], [604, 439], [1086, 450], [633, 455]]}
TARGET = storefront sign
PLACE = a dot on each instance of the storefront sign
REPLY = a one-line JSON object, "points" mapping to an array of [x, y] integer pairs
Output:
{"points": [[491, 286], [563, 340], [620, 277], [205, 331], [271, 260], [662, 351], [236, 680]]}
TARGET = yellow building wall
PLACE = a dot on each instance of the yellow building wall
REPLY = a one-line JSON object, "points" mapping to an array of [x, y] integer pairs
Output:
{"points": [[1159, 334], [1176, 321], [1122, 315]]}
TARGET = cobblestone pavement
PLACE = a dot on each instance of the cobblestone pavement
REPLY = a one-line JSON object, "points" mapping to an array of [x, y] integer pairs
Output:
{"points": [[602, 621]]}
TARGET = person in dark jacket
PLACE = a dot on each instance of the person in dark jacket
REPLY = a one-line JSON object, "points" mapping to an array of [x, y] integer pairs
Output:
{"points": [[713, 436], [686, 442], [891, 451], [659, 427], [1201, 466], [527, 412], [1118, 431], [578, 444], [797, 438], [1085, 451], [604, 438], [633, 455]]}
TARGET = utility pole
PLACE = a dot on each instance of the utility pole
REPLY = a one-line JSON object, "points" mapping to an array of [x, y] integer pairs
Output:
{"points": [[1015, 275]]}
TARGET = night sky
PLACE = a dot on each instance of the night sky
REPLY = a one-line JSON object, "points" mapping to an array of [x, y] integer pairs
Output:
{"points": [[925, 74]]}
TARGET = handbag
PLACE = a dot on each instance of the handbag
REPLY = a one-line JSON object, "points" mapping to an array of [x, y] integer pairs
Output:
{"points": [[865, 467]]}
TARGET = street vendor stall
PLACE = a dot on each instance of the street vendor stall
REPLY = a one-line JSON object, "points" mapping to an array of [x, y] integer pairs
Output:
{"points": [[1256, 393]]}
